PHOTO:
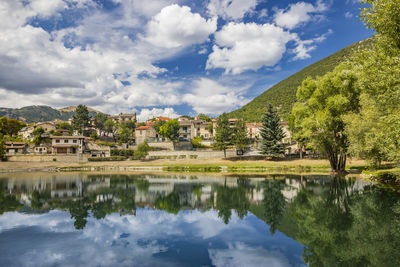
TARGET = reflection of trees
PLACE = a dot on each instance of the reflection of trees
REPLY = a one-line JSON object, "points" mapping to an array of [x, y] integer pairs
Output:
{"points": [[79, 212], [339, 228], [8, 202], [229, 198], [170, 203], [273, 203]]}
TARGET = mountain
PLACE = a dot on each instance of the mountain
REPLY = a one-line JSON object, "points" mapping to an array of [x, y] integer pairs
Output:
{"points": [[283, 94], [31, 114], [73, 108]]}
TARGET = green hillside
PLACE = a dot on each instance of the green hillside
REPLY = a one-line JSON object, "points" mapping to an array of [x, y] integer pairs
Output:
{"points": [[31, 114], [283, 95]]}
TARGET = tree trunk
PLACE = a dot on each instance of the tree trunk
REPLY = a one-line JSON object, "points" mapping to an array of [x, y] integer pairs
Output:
{"points": [[224, 153]]}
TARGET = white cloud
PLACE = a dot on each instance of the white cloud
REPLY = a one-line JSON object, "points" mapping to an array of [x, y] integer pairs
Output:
{"points": [[231, 9], [146, 114], [249, 46], [298, 14], [240, 254], [348, 15], [304, 47], [177, 26], [209, 97]]}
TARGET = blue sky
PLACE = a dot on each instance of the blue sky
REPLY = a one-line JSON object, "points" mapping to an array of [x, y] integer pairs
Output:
{"points": [[163, 57]]}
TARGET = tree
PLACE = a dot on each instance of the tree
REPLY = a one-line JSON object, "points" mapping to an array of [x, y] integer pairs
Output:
{"points": [[157, 126], [240, 139], [81, 118], [272, 134], [37, 133], [320, 109], [99, 121], [273, 203], [111, 127], [64, 126], [204, 117], [94, 136], [142, 150], [170, 130], [10, 127], [223, 133], [2, 147], [126, 133]]}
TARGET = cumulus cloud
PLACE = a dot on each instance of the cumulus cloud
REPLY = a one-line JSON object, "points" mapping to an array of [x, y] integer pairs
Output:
{"points": [[176, 26], [240, 254], [298, 14], [250, 46], [210, 97], [231, 9], [146, 114], [348, 15], [304, 47]]}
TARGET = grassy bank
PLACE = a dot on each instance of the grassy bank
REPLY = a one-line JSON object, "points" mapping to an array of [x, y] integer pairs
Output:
{"points": [[189, 165]]}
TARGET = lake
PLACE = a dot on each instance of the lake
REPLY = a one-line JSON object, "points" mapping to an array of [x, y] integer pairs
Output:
{"points": [[188, 219]]}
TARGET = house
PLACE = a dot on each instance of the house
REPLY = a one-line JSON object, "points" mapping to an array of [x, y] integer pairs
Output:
{"points": [[145, 133], [253, 130], [124, 117], [41, 149], [185, 129], [27, 132], [95, 150], [200, 128], [67, 144], [13, 148]]}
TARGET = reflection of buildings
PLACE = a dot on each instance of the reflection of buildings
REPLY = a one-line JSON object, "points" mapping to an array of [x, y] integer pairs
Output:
{"points": [[144, 190]]}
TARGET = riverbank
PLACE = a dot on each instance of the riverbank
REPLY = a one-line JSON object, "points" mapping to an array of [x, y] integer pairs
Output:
{"points": [[222, 165]]}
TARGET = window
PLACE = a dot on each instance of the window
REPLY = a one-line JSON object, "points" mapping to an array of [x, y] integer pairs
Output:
{"points": [[66, 141], [57, 140], [74, 141]]}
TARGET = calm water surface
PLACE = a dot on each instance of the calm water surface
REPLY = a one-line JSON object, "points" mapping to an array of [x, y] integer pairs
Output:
{"points": [[84, 219]]}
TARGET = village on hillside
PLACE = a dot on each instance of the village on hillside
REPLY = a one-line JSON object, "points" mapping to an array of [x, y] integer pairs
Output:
{"points": [[120, 137]]}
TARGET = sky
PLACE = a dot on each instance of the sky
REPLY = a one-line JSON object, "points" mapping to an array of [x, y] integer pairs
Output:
{"points": [[151, 238], [163, 57]]}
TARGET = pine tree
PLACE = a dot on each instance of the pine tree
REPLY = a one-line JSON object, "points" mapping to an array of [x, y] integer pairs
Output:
{"points": [[223, 133], [240, 139], [272, 134]]}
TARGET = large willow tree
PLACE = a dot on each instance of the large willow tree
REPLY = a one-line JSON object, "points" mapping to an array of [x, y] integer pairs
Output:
{"points": [[318, 114]]}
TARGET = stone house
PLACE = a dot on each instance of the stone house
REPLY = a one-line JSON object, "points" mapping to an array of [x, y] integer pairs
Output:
{"points": [[13, 148], [124, 117], [67, 144], [253, 130], [145, 133]]}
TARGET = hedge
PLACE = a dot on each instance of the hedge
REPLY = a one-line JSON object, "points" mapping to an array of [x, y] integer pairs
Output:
{"points": [[112, 158], [123, 152]]}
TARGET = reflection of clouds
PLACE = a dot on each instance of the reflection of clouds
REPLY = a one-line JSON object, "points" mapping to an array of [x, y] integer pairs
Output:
{"points": [[239, 254], [143, 240]]}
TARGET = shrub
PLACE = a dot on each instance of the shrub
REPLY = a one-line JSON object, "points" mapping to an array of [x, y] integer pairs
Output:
{"points": [[123, 152], [112, 158], [142, 151]]}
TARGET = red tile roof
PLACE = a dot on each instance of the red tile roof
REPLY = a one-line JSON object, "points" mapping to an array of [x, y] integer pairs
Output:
{"points": [[145, 127]]}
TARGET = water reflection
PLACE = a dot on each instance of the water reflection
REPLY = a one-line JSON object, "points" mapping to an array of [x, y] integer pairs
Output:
{"points": [[335, 221]]}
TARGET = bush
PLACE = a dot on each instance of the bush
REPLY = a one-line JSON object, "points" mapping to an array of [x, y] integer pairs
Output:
{"points": [[123, 152], [54, 159], [142, 151], [196, 142], [112, 158], [193, 156]]}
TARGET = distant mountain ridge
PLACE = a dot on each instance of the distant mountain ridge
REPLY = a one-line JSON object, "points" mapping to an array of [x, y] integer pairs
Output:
{"points": [[39, 113], [283, 94]]}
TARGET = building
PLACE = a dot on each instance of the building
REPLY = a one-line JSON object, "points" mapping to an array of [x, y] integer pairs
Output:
{"points": [[253, 130], [67, 144], [27, 132], [124, 117], [200, 128], [145, 133], [14, 148], [41, 149], [185, 129]]}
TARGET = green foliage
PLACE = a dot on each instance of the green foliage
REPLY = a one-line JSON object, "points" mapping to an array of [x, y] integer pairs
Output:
{"points": [[126, 132], [112, 158], [142, 151], [37, 133], [383, 16], [272, 134], [170, 130], [81, 118], [99, 121], [64, 126], [122, 152], [196, 142], [169, 203], [283, 94], [2, 147], [94, 136], [320, 110], [157, 125], [240, 139], [273, 203], [223, 133], [10, 127], [204, 117]]}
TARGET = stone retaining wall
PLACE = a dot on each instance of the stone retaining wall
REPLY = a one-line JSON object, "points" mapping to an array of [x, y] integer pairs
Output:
{"points": [[190, 154], [48, 158]]}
